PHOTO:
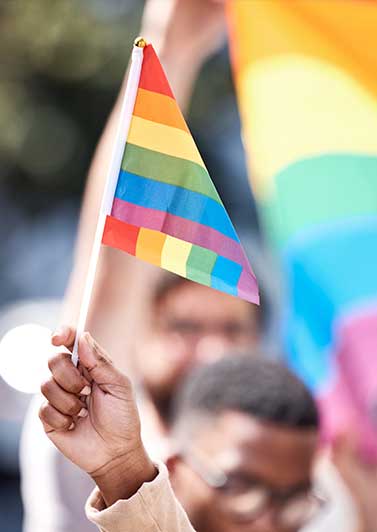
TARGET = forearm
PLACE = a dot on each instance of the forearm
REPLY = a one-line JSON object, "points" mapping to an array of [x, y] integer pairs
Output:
{"points": [[185, 34], [89, 215], [182, 68]]}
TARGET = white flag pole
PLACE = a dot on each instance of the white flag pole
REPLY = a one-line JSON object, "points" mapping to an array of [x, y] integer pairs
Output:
{"points": [[111, 183]]}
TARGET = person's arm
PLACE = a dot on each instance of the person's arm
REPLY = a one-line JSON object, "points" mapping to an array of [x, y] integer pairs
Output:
{"points": [[92, 418], [185, 33]]}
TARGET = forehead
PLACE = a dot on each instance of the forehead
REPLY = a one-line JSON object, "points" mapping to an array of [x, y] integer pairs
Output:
{"points": [[238, 443], [196, 301]]}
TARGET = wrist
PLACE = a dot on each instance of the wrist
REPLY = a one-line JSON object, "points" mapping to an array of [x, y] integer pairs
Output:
{"points": [[124, 476]]}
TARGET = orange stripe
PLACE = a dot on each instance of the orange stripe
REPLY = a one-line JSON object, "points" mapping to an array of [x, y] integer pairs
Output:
{"points": [[342, 33], [160, 108], [149, 245]]}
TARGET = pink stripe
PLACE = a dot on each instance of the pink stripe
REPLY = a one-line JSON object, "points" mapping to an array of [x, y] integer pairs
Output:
{"points": [[193, 232], [248, 287]]}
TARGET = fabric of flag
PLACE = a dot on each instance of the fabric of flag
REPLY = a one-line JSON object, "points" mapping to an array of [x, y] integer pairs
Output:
{"points": [[166, 209], [306, 77]]}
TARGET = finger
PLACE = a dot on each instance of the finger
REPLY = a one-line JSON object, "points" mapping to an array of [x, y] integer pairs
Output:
{"points": [[64, 402], [64, 335], [52, 419], [67, 375], [84, 372], [98, 363]]}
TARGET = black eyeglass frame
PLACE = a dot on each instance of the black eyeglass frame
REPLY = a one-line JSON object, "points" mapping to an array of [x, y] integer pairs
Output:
{"points": [[217, 479]]}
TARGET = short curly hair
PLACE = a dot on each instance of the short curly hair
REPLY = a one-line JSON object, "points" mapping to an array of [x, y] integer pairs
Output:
{"points": [[265, 389]]}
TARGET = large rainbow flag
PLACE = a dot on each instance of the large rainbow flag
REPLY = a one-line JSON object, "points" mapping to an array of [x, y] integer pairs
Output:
{"points": [[306, 77], [166, 209]]}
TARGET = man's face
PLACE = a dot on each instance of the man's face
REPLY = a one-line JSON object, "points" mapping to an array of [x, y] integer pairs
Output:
{"points": [[261, 462], [193, 325]]}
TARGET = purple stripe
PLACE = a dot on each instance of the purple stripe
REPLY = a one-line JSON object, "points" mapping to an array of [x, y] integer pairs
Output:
{"points": [[193, 232], [248, 287]]}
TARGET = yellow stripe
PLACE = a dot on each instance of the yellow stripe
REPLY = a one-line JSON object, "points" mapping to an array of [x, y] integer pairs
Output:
{"points": [[175, 254], [306, 78], [163, 139], [318, 109]]}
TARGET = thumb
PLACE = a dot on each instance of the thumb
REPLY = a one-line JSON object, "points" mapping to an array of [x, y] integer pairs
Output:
{"points": [[98, 363]]}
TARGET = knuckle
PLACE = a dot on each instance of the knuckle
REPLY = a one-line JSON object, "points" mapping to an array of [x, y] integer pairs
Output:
{"points": [[73, 408], [55, 361], [46, 388], [76, 384], [41, 411], [67, 423]]}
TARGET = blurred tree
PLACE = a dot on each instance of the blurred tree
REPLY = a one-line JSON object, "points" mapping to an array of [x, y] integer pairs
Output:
{"points": [[62, 63]]}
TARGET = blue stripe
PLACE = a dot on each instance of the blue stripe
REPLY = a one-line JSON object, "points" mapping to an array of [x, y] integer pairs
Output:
{"points": [[225, 275], [174, 200], [329, 269]]}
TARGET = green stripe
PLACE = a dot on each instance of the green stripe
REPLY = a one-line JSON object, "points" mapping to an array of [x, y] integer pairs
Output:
{"points": [[168, 169], [200, 264], [320, 190]]}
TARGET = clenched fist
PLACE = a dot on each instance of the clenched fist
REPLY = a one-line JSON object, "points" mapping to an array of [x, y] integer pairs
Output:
{"points": [[92, 418]]}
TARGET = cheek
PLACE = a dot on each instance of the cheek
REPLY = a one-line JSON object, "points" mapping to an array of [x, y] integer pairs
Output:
{"points": [[168, 360], [195, 497], [201, 504]]}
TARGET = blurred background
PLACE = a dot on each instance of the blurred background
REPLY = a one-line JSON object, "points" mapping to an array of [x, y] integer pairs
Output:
{"points": [[307, 98], [62, 66]]}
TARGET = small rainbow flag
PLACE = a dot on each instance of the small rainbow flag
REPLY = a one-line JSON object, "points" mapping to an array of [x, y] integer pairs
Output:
{"points": [[165, 209]]}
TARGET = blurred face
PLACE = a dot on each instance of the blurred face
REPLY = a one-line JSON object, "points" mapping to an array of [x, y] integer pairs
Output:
{"points": [[243, 475], [193, 325]]}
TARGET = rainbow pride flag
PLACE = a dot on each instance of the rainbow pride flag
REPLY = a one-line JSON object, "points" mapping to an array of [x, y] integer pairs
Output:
{"points": [[166, 209], [306, 77]]}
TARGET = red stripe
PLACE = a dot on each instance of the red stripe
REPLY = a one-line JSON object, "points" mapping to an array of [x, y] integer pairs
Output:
{"points": [[120, 235], [152, 77]]}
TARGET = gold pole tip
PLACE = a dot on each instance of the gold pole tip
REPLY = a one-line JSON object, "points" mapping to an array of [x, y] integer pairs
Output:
{"points": [[140, 42]]}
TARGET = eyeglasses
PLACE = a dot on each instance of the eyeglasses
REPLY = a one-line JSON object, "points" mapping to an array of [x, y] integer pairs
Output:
{"points": [[245, 501]]}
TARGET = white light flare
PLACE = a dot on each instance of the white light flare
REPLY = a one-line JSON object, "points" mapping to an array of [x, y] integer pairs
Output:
{"points": [[24, 353]]}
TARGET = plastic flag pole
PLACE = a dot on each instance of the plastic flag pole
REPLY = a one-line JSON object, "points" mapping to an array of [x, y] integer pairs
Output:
{"points": [[111, 182]]}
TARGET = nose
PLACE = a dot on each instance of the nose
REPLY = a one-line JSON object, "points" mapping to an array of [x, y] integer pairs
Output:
{"points": [[210, 348]]}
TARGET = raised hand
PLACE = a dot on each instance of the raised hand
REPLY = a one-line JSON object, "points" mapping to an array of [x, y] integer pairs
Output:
{"points": [[185, 34], [198, 25], [92, 418]]}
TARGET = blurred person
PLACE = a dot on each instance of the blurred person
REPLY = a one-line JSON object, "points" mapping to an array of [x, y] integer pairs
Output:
{"points": [[189, 325], [52, 488], [185, 325], [246, 432], [123, 285]]}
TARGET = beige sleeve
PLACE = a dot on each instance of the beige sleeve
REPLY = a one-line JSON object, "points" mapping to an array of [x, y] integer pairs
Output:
{"points": [[154, 508]]}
